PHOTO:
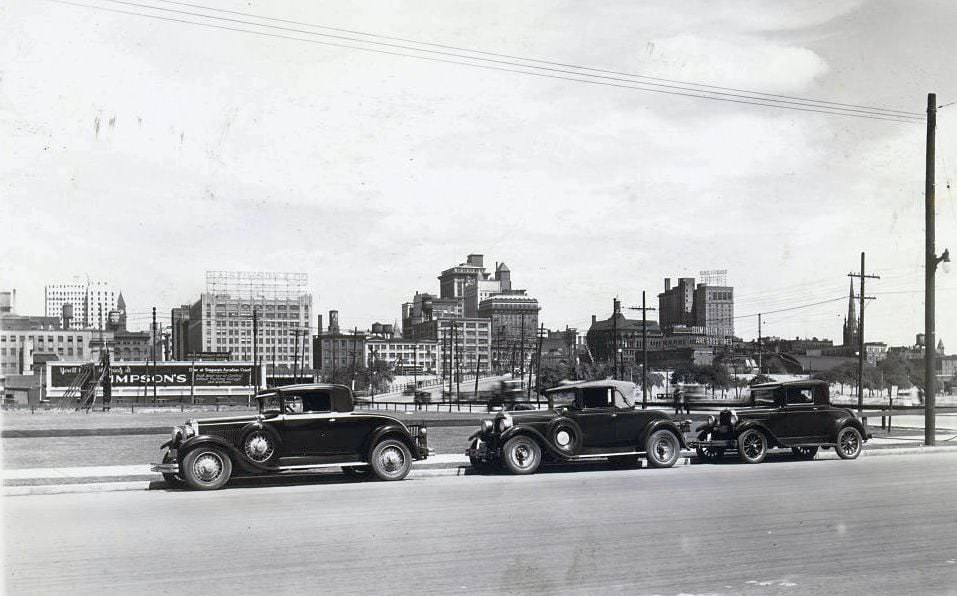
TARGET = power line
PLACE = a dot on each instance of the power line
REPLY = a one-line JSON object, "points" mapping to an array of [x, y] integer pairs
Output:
{"points": [[771, 312], [536, 60], [635, 85]]}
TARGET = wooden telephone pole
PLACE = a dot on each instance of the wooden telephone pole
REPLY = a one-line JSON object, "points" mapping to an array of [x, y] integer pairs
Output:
{"points": [[860, 335], [644, 349]]}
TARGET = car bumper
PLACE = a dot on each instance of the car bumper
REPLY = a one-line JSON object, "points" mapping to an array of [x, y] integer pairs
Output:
{"points": [[481, 450], [170, 468]]}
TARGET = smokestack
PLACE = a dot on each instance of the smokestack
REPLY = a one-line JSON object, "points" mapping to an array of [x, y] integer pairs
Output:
{"points": [[67, 315], [616, 304], [667, 283], [593, 319], [319, 326], [334, 321]]}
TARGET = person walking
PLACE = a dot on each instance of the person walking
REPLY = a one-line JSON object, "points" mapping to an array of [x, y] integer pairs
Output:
{"points": [[677, 397], [684, 402]]}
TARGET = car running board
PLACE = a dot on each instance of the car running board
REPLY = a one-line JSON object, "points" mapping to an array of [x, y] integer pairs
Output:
{"points": [[604, 455], [316, 466]]}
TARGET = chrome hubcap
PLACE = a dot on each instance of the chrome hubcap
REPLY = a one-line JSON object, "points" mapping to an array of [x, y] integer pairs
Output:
{"points": [[562, 438], [391, 460], [663, 449], [258, 448], [522, 456], [208, 467]]}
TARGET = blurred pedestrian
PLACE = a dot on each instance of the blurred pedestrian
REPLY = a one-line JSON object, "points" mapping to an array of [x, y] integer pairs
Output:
{"points": [[684, 401], [677, 397]]}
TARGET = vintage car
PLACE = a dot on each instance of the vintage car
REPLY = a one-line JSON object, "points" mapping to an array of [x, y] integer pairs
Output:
{"points": [[795, 414], [585, 421], [299, 427]]}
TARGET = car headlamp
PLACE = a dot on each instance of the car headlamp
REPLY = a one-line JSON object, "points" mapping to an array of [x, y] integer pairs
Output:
{"points": [[734, 417], [711, 420], [487, 426], [504, 423], [177, 431], [191, 429]]}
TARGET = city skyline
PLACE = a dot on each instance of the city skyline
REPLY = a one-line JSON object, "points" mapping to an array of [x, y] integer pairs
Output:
{"points": [[646, 185]]}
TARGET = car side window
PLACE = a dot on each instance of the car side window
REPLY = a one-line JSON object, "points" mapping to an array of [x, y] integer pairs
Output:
{"points": [[316, 402], [596, 397], [799, 396], [764, 397], [292, 404]]}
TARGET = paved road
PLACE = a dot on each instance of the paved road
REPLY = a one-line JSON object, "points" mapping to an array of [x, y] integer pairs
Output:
{"points": [[876, 525]]}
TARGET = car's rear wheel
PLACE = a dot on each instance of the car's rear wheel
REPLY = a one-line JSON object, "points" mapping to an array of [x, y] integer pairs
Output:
{"points": [[206, 468], [849, 443], [522, 455], [752, 446], [391, 460], [662, 449], [172, 480], [804, 452]]}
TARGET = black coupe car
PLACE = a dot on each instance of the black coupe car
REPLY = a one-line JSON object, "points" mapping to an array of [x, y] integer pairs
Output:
{"points": [[584, 421], [299, 427], [794, 414]]}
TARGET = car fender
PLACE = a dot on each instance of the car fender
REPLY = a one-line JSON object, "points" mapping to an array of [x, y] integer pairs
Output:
{"points": [[531, 432], [391, 428], [234, 454], [849, 420], [749, 424], [660, 424]]}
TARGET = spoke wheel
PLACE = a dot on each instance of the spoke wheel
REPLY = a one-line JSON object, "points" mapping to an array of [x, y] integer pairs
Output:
{"points": [[259, 447], [849, 443], [662, 449], [522, 455], [206, 468], [391, 460], [752, 446], [804, 452]]}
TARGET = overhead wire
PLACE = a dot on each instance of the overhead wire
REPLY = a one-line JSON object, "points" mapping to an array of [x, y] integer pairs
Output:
{"points": [[490, 64]]}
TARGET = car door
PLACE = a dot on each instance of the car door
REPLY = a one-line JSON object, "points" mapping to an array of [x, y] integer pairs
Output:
{"points": [[301, 433], [629, 422], [596, 417], [803, 420]]}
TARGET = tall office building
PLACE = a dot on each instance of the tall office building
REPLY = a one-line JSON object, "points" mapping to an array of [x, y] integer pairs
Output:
{"points": [[222, 319], [706, 308], [91, 303]]}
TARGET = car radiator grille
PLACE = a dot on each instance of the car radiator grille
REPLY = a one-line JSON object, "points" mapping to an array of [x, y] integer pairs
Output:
{"points": [[414, 429]]}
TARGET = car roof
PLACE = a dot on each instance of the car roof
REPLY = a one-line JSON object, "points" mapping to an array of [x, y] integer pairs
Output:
{"points": [[626, 387], [283, 389], [798, 383]]}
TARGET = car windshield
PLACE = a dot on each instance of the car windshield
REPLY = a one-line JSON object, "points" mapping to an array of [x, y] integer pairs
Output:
{"points": [[269, 404], [623, 401]]}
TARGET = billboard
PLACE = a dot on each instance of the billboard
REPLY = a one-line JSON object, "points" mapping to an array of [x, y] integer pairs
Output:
{"points": [[185, 374]]}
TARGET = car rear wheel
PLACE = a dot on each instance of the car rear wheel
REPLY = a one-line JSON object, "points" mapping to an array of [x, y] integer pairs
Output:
{"points": [[662, 449], [522, 455], [206, 468], [804, 452], [172, 480], [391, 460], [752, 446], [849, 443]]}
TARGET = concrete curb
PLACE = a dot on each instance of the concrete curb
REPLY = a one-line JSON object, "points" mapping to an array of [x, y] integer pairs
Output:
{"points": [[457, 467]]}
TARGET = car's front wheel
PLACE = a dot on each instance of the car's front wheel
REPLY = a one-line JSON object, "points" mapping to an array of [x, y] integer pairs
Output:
{"points": [[522, 455], [206, 468], [391, 460], [752, 446], [804, 452], [849, 443], [663, 449]]}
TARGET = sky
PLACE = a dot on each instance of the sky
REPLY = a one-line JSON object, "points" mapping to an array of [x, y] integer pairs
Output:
{"points": [[145, 152]]}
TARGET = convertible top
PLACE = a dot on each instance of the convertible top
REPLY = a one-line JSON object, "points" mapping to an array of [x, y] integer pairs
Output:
{"points": [[626, 387]]}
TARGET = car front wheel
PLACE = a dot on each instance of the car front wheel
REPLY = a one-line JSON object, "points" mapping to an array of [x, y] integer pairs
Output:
{"points": [[752, 446], [849, 443], [206, 468], [663, 449], [391, 460], [522, 455]]}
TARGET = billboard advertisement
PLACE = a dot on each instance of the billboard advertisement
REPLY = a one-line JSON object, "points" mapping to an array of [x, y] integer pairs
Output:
{"points": [[164, 374]]}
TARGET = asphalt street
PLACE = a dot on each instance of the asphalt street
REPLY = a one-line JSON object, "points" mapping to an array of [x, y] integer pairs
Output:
{"points": [[875, 525]]}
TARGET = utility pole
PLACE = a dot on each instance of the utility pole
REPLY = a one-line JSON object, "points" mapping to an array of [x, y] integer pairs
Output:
{"points": [[521, 354], [478, 367], [538, 363], [355, 336], [860, 335], [153, 346], [614, 336], [295, 354], [760, 364], [931, 260], [255, 353], [644, 350]]}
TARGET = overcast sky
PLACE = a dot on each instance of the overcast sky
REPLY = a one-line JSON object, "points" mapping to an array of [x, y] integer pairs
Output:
{"points": [[144, 152]]}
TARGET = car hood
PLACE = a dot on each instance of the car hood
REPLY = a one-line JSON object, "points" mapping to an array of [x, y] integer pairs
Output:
{"points": [[528, 416], [226, 420]]}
